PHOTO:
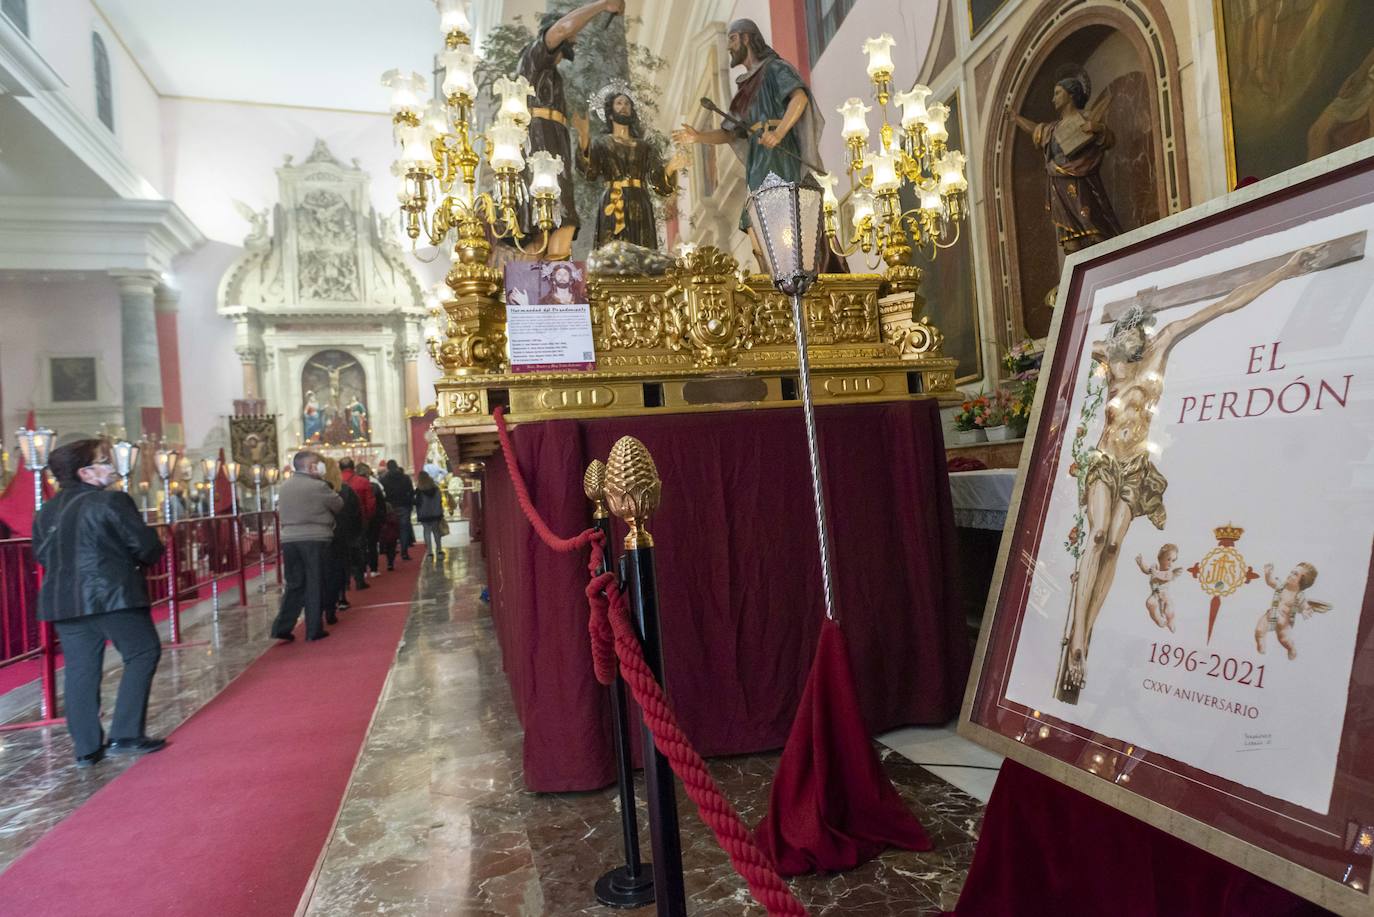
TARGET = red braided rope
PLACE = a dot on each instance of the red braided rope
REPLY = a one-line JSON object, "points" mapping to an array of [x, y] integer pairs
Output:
{"points": [[522, 496], [612, 636], [610, 613]]}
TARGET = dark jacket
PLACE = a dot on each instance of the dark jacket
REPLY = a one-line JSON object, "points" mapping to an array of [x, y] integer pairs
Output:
{"points": [[429, 505], [91, 543], [374, 522], [348, 522], [400, 493], [306, 506]]}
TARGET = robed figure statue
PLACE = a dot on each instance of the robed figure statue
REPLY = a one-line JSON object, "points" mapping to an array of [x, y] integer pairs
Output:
{"points": [[1074, 145], [631, 166], [778, 127], [549, 112]]}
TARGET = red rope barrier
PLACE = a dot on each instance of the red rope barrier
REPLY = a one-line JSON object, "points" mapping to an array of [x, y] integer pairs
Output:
{"points": [[612, 637]]}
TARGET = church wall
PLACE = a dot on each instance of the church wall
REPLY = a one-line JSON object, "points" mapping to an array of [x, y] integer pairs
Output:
{"points": [[68, 315], [61, 31]]}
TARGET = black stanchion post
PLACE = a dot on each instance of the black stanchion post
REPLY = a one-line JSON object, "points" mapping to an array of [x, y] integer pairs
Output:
{"points": [[631, 885], [632, 490]]}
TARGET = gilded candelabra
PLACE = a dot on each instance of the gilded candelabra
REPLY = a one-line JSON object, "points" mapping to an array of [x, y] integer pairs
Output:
{"points": [[913, 155], [439, 165]]}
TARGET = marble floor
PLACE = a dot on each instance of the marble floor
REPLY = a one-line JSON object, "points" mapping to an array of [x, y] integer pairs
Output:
{"points": [[39, 782], [436, 821]]}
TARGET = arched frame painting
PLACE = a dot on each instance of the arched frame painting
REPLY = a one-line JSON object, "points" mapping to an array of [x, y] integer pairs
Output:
{"points": [[334, 399]]}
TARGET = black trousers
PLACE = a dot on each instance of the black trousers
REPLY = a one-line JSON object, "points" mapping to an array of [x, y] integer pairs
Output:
{"points": [[304, 561], [403, 514], [357, 563], [335, 577], [83, 649]]}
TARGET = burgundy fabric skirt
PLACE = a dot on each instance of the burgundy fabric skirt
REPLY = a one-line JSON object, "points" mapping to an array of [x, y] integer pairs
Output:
{"points": [[739, 577]]}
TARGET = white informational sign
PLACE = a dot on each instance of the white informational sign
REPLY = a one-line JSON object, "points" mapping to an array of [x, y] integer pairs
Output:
{"points": [[548, 318], [1204, 559]]}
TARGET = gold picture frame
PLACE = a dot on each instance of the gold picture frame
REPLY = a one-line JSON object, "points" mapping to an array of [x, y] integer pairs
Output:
{"points": [[975, 26], [1234, 154]]}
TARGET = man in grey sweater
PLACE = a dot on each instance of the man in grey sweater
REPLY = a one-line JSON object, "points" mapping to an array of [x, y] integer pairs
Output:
{"points": [[306, 506]]}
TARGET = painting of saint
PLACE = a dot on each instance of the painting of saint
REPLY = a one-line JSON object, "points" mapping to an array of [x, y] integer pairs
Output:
{"points": [[1298, 77], [73, 379], [334, 400]]}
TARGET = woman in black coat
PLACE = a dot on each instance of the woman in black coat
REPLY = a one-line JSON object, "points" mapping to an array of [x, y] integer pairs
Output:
{"points": [[93, 544]]}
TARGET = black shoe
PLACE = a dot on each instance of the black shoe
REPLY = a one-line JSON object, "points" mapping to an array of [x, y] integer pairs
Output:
{"points": [[344, 604], [390, 568], [284, 638], [363, 586], [320, 636], [405, 557], [331, 619], [92, 759], [139, 746]]}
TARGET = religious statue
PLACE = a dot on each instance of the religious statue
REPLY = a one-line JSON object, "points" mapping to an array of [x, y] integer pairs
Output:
{"points": [[314, 420], [773, 125], [631, 166], [548, 111], [357, 419], [335, 391], [1074, 145], [1119, 480]]}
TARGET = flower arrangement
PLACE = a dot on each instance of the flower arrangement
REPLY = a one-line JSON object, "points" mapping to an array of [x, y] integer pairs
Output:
{"points": [[1021, 364], [974, 414]]}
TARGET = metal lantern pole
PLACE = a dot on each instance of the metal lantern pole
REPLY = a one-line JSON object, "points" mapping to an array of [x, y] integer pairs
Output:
{"points": [[792, 241], [262, 537], [209, 469], [36, 446], [165, 461], [231, 474], [125, 458]]}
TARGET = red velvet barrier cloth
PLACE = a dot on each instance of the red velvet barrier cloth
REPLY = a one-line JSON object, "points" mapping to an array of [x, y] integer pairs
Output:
{"points": [[739, 577], [1047, 849], [831, 806]]}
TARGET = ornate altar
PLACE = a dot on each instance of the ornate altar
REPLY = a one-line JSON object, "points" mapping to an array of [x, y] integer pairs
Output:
{"points": [[702, 337], [326, 311]]}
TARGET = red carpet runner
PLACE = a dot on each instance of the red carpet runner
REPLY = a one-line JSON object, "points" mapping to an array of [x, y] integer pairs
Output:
{"points": [[231, 818]]}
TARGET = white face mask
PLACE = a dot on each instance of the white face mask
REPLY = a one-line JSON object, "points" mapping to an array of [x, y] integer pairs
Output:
{"points": [[100, 474], [320, 469]]}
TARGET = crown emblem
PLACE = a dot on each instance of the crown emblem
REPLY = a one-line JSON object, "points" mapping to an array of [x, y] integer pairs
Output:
{"points": [[1227, 535]]}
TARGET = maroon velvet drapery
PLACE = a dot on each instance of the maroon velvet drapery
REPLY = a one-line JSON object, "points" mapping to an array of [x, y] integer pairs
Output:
{"points": [[1046, 848], [739, 577]]}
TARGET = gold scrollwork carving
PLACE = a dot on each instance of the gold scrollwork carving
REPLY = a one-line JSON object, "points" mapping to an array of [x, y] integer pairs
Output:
{"points": [[853, 316], [464, 403], [917, 338]]}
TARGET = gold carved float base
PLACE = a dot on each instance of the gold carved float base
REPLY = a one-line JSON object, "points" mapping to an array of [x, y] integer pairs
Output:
{"points": [[702, 338]]}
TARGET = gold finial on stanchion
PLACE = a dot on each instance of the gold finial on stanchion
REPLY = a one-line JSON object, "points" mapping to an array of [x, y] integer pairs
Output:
{"points": [[594, 486], [633, 489]]}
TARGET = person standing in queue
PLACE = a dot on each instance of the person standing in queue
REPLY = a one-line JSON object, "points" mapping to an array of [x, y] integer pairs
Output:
{"points": [[366, 508], [306, 506], [372, 530], [400, 497], [92, 543]]}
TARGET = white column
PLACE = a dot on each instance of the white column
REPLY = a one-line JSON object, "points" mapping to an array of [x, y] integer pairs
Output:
{"points": [[142, 374]]}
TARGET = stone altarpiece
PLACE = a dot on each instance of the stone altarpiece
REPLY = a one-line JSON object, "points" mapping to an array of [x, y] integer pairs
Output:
{"points": [[323, 271]]}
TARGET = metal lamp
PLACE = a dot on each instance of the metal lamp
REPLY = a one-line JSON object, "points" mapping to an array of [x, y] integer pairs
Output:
{"points": [[36, 445], [256, 472], [269, 477], [125, 459], [789, 219], [165, 461]]}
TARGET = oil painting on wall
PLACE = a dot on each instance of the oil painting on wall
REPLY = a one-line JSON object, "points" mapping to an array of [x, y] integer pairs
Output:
{"points": [[1299, 80]]}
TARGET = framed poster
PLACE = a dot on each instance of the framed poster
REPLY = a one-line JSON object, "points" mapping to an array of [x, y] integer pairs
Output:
{"points": [[1297, 80], [1182, 616], [548, 317]]}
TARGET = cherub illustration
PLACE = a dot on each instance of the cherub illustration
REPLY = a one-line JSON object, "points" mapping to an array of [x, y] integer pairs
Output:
{"points": [[1159, 605], [1290, 600]]}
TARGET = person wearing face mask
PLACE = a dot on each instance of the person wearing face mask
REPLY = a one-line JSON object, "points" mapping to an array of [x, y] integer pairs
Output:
{"points": [[306, 506], [92, 543]]}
